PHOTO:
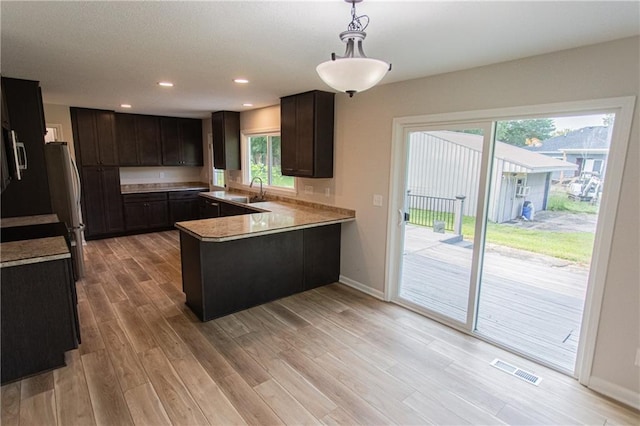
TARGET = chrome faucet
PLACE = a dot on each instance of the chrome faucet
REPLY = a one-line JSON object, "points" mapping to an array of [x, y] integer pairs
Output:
{"points": [[261, 197]]}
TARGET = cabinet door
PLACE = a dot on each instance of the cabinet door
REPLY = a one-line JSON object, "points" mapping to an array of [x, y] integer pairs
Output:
{"points": [[305, 110], [181, 210], [135, 216], [84, 136], [288, 135], [226, 140], [126, 139], [191, 141], [114, 220], [92, 201], [170, 136], [148, 140], [157, 214], [105, 138]]}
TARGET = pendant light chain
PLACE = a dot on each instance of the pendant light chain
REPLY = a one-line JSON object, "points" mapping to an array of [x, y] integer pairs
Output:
{"points": [[355, 24]]}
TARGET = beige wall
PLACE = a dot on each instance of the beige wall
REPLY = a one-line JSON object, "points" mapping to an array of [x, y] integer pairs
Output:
{"points": [[59, 114], [363, 136], [363, 145]]}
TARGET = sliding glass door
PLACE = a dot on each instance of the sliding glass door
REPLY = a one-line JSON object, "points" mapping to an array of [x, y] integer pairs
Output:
{"points": [[497, 227]]}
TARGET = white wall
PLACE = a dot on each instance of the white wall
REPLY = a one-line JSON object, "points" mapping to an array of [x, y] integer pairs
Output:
{"points": [[139, 175]]}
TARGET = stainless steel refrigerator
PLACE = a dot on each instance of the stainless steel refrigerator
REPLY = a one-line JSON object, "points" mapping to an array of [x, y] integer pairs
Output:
{"points": [[64, 187]]}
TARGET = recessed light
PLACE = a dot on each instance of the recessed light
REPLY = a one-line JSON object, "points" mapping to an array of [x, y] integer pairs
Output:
{"points": [[165, 84], [125, 105], [247, 105], [240, 80]]}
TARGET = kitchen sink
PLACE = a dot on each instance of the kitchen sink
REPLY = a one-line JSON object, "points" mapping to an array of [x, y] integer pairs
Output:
{"points": [[238, 198]]}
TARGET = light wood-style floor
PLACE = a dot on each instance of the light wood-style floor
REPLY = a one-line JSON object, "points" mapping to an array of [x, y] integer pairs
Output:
{"points": [[332, 356]]}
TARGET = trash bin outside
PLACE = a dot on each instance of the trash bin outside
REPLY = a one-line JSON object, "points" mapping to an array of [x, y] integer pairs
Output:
{"points": [[527, 210]]}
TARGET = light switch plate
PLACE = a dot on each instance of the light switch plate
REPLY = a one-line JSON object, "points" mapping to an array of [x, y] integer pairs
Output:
{"points": [[327, 192], [377, 200], [638, 357]]}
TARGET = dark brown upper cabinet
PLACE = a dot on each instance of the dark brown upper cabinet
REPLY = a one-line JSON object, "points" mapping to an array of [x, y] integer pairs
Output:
{"points": [[138, 138], [226, 140], [306, 132], [181, 141], [94, 136]]}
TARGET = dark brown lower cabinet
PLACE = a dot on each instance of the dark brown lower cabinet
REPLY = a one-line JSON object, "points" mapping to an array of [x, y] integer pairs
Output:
{"points": [[146, 211], [38, 317], [183, 205], [219, 278]]}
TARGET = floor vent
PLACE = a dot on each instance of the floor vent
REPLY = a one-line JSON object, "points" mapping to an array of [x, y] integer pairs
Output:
{"points": [[515, 371]]}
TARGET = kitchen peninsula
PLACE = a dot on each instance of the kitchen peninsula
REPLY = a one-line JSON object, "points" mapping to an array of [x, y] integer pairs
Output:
{"points": [[236, 262]]}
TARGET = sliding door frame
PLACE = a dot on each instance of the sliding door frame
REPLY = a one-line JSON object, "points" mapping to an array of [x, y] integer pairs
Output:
{"points": [[622, 107]]}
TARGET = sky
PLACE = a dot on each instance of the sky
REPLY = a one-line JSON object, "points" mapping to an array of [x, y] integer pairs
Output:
{"points": [[578, 122]]}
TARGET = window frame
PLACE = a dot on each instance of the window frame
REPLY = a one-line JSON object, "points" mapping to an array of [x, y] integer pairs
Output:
{"points": [[246, 161]]}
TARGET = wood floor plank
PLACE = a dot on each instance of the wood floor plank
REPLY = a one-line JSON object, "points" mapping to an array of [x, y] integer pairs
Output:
{"points": [[73, 405], [145, 406], [107, 400], [125, 363], [36, 384], [336, 391], [173, 346], [207, 394], [339, 417], [100, 304], [212, 361], [304, 392], [10, 406], [39, 409], [134, 326], [175, 397], [240, 360], [232, 326], [250, 406], [91, 337], [379, 391], [284, 405]]}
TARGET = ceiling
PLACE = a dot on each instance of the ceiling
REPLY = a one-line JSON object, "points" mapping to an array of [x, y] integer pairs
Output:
{"points": [[103, 54]]}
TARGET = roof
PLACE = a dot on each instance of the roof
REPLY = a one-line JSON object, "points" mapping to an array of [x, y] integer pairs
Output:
{"points": [[532, 161], [587, 139]]}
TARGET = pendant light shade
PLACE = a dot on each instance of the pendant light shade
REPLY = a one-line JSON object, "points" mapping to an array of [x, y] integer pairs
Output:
{"points": [[351, 73]]}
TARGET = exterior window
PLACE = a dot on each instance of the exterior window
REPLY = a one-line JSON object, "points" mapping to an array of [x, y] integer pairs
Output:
{"points": [[265, 161], [218, 177]]}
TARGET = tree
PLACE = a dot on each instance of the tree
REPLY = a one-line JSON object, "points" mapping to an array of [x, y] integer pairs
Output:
{"points": [[516, 132]]}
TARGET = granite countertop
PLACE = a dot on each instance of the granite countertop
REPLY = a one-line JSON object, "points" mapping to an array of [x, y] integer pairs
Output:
{"points": [[275, 216], [162, 187], [9, 222], [37, 250]]}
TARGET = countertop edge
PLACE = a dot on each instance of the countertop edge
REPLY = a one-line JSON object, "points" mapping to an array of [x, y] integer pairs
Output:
{"points": [[265, 232], [32, 260]]}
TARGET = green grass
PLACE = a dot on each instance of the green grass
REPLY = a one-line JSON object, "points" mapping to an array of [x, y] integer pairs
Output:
{"points": [[560, 202], [571, 246]]}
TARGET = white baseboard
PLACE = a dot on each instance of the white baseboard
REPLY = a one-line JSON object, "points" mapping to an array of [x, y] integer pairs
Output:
{"points": [[361, 287], [623, 395]]}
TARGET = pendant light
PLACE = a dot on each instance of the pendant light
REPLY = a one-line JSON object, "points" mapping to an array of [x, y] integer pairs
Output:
{"points": [[351, 73]]}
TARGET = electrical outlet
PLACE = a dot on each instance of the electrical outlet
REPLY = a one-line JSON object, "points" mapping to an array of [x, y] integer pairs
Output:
{"points": [[161, 175], [637, 357], [327, 192], [308, 189], [377, 200]]}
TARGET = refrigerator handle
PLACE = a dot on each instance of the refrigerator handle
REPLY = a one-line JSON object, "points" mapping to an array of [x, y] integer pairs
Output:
{"points": [[76, 185]]}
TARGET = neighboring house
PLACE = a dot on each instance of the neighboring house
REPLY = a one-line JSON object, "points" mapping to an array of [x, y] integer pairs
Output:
{"points": [[588, 148], [447, 164]]}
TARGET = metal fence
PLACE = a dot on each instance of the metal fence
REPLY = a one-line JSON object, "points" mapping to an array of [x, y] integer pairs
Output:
{"points": [[425, 210]]}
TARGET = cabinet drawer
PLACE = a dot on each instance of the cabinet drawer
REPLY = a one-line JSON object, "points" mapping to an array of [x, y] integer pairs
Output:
{"points": [[144, 197], [184, 195]]}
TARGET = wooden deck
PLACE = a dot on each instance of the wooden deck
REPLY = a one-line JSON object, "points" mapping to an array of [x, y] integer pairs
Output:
{"points": [[531, 303]]}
